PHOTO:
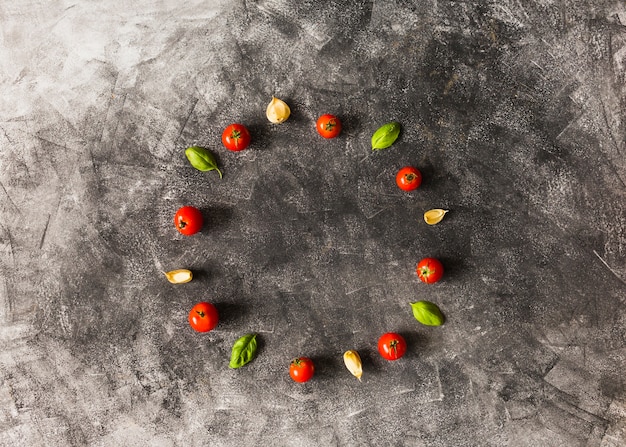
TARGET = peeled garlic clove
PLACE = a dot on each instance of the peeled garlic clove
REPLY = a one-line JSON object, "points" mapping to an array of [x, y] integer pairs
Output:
{"points": [[277, 111], [179, 276], [353, 363], [435, 216]]}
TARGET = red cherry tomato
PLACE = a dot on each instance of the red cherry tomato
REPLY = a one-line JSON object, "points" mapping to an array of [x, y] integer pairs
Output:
{"points": [[188, 220], [236, 137], [328, 126], [429, 270], [391, 346], [408, 178], [203, 317], [301, 369]]}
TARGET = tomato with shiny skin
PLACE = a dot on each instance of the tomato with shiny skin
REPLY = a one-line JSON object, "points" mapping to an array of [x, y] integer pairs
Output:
{"points": [[328, 126], [188, 220], [408, 178], [236, 137], [301, 369], [391, 346], [203, 317], [429, 270]]}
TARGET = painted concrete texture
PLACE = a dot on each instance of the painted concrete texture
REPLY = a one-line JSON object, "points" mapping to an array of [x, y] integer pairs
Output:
{"points": [[512, 110]]}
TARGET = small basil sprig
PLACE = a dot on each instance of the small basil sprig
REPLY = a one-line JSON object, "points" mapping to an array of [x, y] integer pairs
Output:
{"points": [[427, 313], [243, 351], [385, 136], [202, 159]]}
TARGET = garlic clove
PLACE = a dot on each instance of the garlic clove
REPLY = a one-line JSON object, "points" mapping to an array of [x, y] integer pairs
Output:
{"points": [[179, 276], [277, 111], [432, 217], [353, 363]]}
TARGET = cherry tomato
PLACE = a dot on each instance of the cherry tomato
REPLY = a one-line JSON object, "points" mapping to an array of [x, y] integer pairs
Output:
{"points": [[408, 178], [236, 137], [328, 126], [391, 346], [301, 369], [203, 317], [429, 270], [188, 220]]}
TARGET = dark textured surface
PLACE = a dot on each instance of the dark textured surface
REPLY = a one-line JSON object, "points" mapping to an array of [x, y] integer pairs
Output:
{"points": [[514, 112]]}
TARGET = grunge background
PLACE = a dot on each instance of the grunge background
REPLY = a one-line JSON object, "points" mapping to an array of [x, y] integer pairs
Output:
{"points": [[513, 111]]}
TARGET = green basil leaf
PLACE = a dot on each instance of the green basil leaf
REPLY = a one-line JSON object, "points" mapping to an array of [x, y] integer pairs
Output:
{"points": [[244, 351], [385, 136], [202, 159], [427, 313]]}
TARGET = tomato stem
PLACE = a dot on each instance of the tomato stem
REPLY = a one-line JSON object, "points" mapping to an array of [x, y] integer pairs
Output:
{"points": [[393, 345]]}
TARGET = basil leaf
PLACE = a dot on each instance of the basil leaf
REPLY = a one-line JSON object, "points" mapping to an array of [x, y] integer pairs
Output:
{"points": [[244, 351], [385, 136], [202, 159], [427, 313]]}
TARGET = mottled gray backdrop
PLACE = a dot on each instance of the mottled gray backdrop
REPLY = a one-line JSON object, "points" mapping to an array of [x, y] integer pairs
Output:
{"points": [[514, 111]]}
